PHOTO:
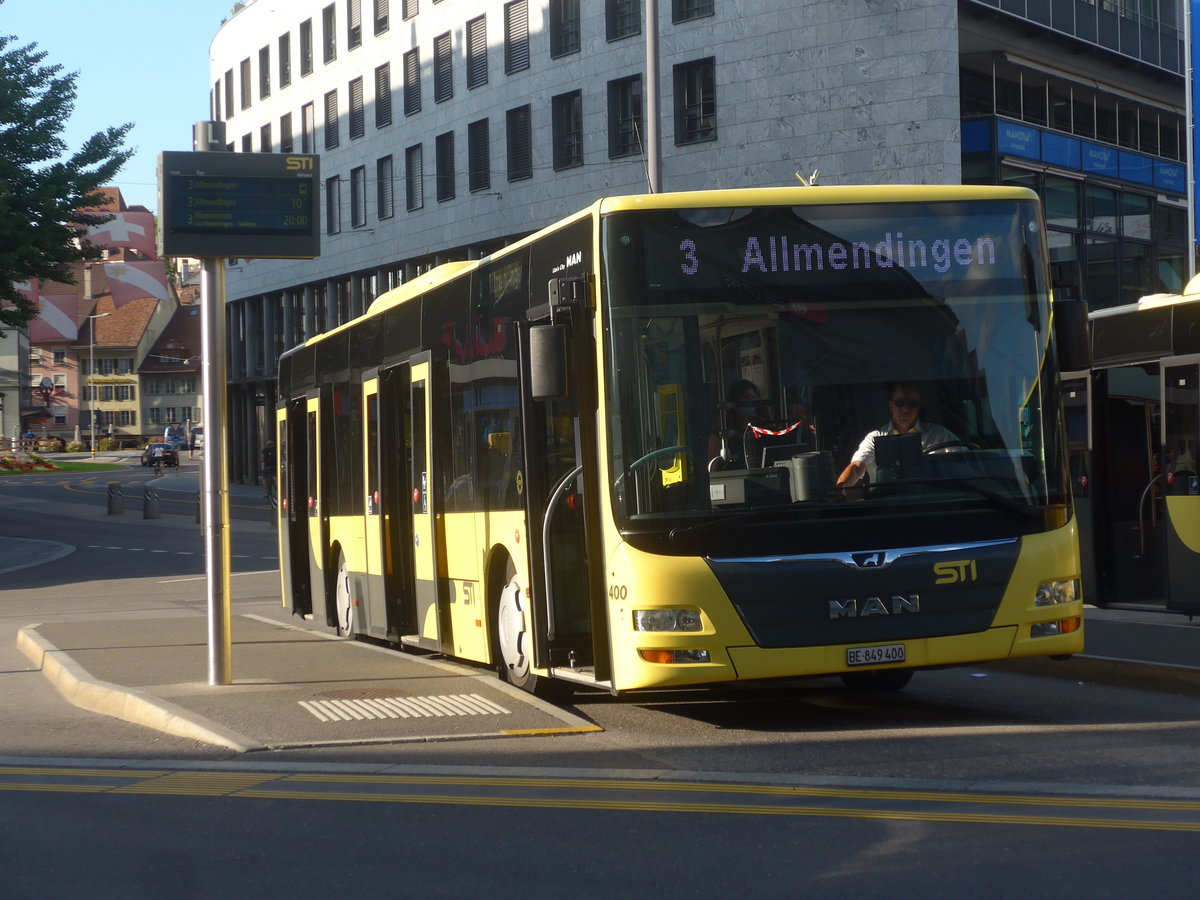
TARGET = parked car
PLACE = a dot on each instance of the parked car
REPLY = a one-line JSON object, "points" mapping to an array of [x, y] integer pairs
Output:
{"points": [[155, 450]]}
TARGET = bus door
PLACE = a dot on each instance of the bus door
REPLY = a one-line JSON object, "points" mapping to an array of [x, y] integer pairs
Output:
{"points": [[1077, 409], [395, 465], [1130, 537], [314, 505], [294, 450], [428, 577], [1181, 483], [562, 614], [374, 611]]}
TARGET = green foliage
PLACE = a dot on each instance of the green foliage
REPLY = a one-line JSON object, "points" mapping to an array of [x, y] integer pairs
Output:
{"points": [[48, 195]]}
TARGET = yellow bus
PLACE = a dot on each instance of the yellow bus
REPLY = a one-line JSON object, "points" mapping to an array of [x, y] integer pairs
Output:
{"points": [[550, 461]]}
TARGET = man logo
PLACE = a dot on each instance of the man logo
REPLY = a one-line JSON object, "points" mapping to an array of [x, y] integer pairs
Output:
{"points": [[873, 560]]}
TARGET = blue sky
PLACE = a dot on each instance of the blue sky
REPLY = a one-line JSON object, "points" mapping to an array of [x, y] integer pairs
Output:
{"points": [[140, 61]]}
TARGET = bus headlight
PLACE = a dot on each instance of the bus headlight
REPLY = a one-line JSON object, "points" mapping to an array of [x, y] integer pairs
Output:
{"points": [[1051, 593], [667, 620]]}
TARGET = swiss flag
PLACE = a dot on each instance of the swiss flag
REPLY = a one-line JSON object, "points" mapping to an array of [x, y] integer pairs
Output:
{"points": [[135, 280], [134, 230]]}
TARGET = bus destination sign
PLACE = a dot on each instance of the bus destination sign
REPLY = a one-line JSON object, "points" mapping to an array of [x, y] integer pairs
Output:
{"points": [[246, 205]]}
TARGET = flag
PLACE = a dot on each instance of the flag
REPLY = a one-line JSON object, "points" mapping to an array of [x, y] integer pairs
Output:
{"points": [[134, 280], [56, 318], [134, 230]]}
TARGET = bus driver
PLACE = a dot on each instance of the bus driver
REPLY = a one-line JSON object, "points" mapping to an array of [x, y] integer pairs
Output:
{"points": [[905, 407]]}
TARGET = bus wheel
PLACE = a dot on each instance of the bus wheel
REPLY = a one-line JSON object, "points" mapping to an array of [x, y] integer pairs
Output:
{"points": [[878, 680], [343, 598], [512, 631]]}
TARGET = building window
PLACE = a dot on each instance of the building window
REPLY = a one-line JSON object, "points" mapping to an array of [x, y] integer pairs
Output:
{"points": [[306, 48], [244, 78], [444, 160], [60, 357], [479, 174], [228, 94], [264, 139], [443, 69], [358, 197], [333, 205], [567, 112], [516, 36], [520, 143], [383, 181], [358, 117], [35, 356], [216, 99], [285, 133], [285, 60], [477, 66], [622, 18], [564, 27], [308, 128], [127, 418], [264, 73], [329, 33], [60, 414], [695, 102], [625, 116], [383, 95], [353, 24], [381, 16], [686, 10], [155, 415], [247, 143], [412, 82], [408, 9], [414, 184], [331, 120]]}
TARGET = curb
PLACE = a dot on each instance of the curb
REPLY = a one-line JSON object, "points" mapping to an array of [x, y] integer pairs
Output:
{"points": [[83, 690], [1105, 670]]}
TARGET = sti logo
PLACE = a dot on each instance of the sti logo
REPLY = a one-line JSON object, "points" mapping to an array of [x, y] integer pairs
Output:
{"points": [[299, 163], [955, 571]]}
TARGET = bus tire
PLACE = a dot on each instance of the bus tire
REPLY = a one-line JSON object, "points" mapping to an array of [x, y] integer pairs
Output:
{"points": [[877, 680], [343, 597], [513, 637]]}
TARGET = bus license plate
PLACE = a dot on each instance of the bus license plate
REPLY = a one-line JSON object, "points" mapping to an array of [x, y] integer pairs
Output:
{"points": [[869, 656]]}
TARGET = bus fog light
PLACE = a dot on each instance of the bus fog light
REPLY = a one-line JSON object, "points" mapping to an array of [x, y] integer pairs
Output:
{"points": [[1051, 593], [1047, 629], [666, 620], [675, 656]]}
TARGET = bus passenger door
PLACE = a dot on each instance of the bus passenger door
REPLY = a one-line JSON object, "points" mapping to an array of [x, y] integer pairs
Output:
{"points": [[395, 461], [1131, 549], [374, 614], [314, 505], [426, 507], [1181, 484], [293, 511]]}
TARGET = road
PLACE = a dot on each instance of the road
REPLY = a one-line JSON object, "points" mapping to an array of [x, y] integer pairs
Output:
{"points": [[973, 780]]}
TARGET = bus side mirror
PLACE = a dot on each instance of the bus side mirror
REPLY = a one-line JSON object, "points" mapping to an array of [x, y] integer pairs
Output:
{"points": [[1071, 335], [548, 362]]}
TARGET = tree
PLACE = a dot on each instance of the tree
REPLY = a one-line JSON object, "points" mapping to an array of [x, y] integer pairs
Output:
{"points": [[47, 197]]}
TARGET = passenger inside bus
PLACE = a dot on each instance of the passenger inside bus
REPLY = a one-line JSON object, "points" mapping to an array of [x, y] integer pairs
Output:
{"points": [[905, 408]]}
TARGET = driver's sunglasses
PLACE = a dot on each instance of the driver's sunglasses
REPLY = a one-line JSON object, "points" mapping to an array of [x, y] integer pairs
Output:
{"points": [[901, 403]]}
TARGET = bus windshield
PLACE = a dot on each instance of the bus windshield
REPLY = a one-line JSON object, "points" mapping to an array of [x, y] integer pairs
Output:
{"points": [[750, 353]]}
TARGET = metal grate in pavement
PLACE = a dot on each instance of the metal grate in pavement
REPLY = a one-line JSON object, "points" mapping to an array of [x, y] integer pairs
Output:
{"points": [[351, 710]]}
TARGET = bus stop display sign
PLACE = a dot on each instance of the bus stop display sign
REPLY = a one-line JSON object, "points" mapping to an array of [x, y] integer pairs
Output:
{"points": [[246, 205]]}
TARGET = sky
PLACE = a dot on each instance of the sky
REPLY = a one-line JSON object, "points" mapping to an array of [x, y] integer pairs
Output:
{"points": [[140, 61]]}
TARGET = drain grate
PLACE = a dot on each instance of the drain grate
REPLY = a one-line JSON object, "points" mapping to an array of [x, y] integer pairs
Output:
{"points": [[357, 709]]}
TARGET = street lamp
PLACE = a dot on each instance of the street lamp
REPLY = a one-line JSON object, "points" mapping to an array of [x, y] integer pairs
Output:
{"points": [[92, 375]]}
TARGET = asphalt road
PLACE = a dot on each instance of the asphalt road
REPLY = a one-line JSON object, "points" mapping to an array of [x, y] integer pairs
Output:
{"points": [[972, 781]]}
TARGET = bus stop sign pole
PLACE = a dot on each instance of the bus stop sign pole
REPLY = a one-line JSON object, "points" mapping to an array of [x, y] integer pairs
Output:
{"points": [[215, 500]]}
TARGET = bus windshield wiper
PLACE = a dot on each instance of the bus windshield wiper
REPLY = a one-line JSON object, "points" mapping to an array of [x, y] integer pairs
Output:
{"points": [[1005, 501]]}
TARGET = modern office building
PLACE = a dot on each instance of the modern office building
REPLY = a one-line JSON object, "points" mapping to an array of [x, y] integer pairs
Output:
{"points": [[446, 130]]}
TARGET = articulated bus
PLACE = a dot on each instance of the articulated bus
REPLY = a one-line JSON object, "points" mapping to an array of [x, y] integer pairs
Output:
{"points": [[1134, 426], [538, 460]]}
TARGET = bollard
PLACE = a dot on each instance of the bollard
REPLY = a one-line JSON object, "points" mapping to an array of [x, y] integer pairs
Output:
{"points": [[199, 517], [116, 500], [150, 503]]}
